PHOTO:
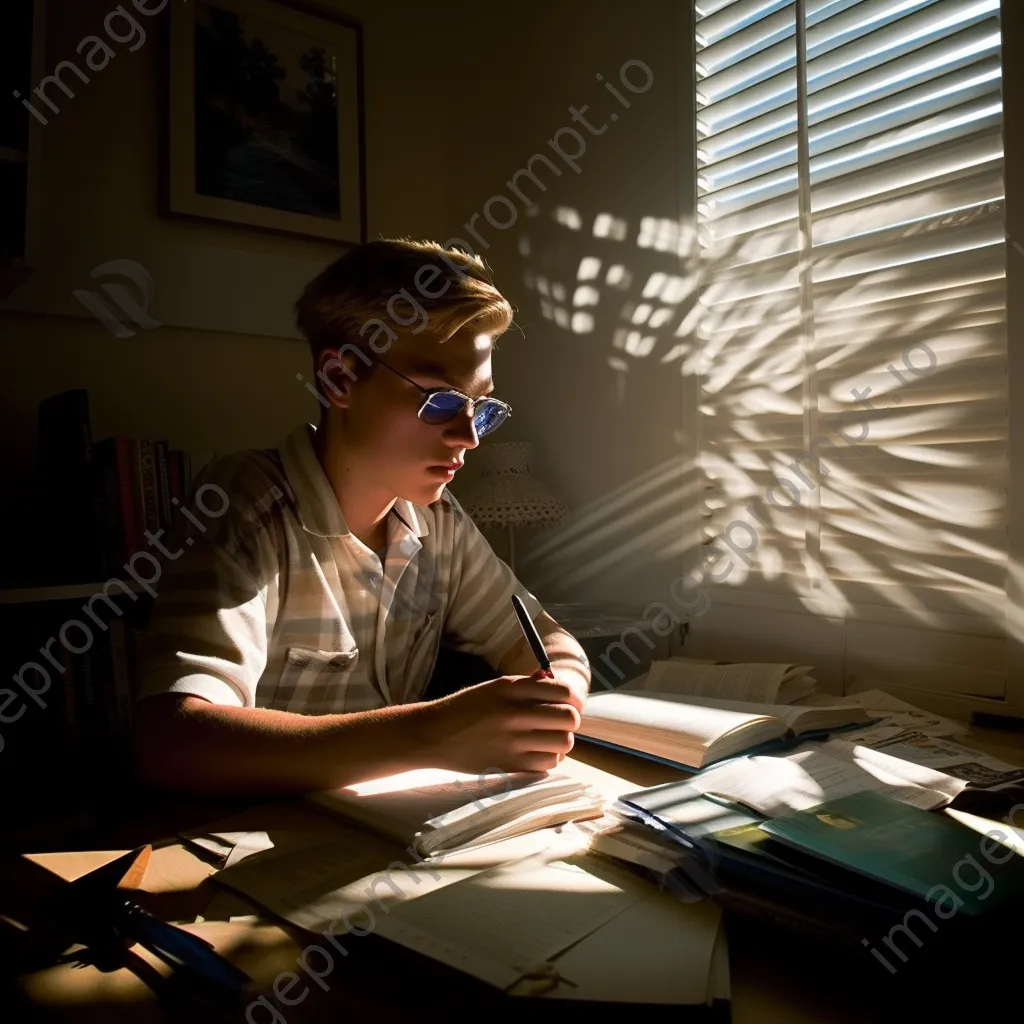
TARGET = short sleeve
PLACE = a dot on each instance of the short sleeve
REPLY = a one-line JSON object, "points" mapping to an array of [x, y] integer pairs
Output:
{"points": [[480, 618], [207, 633]]}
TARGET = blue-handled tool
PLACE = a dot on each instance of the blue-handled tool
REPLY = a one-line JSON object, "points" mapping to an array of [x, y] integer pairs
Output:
{"points": [[97, 909]]}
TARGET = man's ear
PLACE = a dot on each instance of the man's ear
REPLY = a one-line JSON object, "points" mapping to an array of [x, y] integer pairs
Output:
{"points": [[338, 370]]}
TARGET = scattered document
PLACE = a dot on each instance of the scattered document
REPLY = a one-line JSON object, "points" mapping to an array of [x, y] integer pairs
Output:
{"points": [[954, 759], [677, 956], [775, 786], [507, 923], [897, 715]]}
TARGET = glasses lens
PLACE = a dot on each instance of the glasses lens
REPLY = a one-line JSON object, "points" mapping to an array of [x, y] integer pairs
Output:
{"points": [[442, 407], [490, 414]]}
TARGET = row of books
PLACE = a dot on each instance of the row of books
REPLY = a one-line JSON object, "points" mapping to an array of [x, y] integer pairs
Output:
{"points": [[102, 497], [98, 695], [73, 763]]}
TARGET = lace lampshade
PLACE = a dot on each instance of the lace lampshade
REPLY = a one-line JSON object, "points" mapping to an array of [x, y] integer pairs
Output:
{"points": [[504, 492]]}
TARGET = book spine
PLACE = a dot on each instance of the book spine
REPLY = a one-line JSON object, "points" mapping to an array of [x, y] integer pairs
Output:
{"points": [[69, 485], [106, 467], [163, 483], [133, 639], [85, 708], [176, 473], [99, 561], [124, 453], [70, 731], [122, 688], [150, 491]]}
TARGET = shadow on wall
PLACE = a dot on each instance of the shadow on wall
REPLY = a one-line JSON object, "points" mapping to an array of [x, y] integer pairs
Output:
{"points": [[885, 492]]}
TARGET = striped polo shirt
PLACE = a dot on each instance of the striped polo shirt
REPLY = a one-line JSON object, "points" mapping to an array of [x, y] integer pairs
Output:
{"points": [[270, 601]]}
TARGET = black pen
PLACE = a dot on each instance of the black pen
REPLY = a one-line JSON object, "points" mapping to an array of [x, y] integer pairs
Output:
{"points": [[532, 636]]}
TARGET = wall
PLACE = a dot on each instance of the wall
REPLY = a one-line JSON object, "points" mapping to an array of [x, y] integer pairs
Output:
{"points": [[612, 426], [220, 375], [457, 102]]}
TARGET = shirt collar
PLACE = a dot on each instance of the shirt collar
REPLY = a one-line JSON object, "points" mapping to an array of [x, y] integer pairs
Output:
{"points": [[318, 507]]}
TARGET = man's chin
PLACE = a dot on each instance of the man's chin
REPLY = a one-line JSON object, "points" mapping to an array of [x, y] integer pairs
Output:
{"points": [[425, 493]]}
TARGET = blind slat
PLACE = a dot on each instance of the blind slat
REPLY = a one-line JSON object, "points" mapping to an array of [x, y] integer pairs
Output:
{"points": [[853, 410]]}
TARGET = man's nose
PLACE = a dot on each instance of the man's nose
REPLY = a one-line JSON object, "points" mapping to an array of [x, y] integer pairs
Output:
{"points": [[461, 432]]}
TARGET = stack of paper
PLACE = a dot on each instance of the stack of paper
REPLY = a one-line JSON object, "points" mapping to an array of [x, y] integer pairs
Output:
{"points": [[438, 811], [818, 772]]}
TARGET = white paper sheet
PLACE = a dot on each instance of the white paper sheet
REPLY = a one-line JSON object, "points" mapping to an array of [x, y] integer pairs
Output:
{"points": [[952, 758], [775, 786], [502, 924], [898, 715]]}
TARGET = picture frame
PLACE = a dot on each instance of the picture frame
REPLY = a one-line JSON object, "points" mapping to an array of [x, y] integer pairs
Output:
{"points": [[264, 118]]}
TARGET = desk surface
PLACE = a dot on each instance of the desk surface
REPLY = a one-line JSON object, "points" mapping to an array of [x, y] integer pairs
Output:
{"points": [[776, 976]]}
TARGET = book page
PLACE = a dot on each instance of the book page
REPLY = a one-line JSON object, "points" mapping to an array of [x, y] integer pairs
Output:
{"points": [[789, 713], [776, 786], [630, 715], [402, 805], [750, 682]]}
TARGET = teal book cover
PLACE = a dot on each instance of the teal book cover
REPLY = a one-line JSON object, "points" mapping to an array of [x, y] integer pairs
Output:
{"points": [[920, 852]]}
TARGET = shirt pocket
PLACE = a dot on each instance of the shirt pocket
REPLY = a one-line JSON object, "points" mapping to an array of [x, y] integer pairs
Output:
{"points": [[324, 682]]}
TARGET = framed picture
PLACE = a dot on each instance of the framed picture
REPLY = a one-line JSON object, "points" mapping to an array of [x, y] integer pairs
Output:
{"points": [[264, 118]]}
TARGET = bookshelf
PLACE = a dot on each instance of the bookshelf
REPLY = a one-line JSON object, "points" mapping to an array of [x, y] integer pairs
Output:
{"points": [[65, 755], [70, 621]]}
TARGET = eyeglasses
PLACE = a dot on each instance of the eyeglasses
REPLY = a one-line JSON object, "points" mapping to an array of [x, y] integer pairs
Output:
{"points": [[442, 405]]}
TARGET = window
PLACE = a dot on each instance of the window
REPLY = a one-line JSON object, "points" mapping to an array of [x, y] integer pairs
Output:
{"points": [[854, 418]]}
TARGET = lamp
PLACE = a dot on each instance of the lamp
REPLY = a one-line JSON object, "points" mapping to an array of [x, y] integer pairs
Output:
{"points": [[504, 492]]}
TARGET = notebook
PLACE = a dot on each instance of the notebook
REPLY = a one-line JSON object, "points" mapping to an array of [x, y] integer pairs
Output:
{"points": [[925, 854], [695, 731], [435, 811]]}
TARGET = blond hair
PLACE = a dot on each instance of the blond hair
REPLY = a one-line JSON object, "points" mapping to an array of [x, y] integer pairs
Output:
{"points": [[381, 282]]}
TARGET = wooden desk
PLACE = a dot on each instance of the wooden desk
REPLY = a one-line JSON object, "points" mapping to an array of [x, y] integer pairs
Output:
{"points": [[777, 978]]}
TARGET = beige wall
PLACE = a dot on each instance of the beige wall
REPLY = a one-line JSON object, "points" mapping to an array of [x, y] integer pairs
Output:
{"points": [[456, 103], [615, 444], [221, 373]]}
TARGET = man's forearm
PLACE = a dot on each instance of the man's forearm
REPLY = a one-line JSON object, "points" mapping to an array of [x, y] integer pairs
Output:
{"points": [[188, 743]]}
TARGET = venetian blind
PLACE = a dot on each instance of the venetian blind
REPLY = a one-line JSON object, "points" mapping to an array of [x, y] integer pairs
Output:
{"points": [[852, 312]]}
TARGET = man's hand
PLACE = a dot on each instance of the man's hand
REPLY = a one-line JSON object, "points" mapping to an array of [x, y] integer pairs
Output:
{"points": [[512, 723]]}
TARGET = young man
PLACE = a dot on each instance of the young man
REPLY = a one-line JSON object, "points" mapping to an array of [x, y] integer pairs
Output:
{"points": [[298, 622]]}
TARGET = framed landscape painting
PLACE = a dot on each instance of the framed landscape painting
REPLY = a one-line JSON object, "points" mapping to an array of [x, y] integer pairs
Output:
{"points": [[264, 113]]}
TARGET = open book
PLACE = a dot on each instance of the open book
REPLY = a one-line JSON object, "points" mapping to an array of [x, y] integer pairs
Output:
{"points": [[696, 730], [436, 811], [764, 683]]}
